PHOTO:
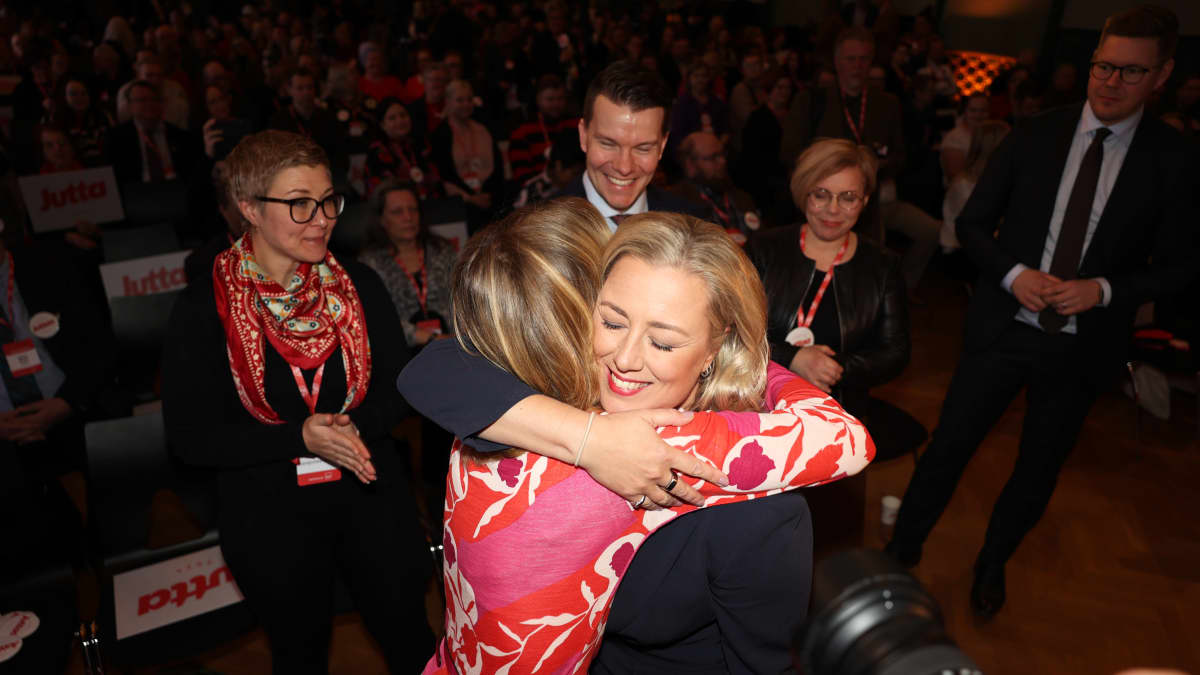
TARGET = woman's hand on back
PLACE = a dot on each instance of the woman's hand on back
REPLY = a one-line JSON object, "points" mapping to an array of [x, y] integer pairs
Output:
{"points": [[333, 439], [625, 454]]}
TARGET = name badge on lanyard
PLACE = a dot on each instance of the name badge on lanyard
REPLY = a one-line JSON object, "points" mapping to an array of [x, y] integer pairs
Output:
{"points": [[312, 470], [22, 358]]}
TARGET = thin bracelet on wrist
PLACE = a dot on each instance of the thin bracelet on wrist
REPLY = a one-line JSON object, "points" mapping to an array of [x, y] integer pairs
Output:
{"points": [[587, 430]]}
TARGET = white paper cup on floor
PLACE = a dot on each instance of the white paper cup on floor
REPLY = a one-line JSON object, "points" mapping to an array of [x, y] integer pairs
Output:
{"points": [[891, 507]]}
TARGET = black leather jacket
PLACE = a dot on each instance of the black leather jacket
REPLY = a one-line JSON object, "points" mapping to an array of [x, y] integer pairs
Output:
{"points": [[871, 303]]}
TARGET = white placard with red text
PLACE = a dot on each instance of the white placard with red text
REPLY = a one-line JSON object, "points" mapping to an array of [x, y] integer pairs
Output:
{"points": [[144, 276], [59, 201], [456, 232], [167, 592]]}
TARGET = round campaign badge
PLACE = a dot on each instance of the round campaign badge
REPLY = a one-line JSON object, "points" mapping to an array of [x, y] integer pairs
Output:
{"points": [[343, 115], [545, 153], [474, 183], [800, 336], [18, 625], [737, 236], [416, 175], [9, 648], [44, 325], [752, 220]]}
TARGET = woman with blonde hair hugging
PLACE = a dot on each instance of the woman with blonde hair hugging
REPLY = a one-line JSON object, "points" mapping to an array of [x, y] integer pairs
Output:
{"points": [[671, 315]]}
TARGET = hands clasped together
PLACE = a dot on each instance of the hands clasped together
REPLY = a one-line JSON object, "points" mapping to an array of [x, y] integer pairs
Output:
{"points": [[1037, 290], [334, 438]]}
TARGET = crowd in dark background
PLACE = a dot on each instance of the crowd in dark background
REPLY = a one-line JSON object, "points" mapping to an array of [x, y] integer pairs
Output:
{"points": [[476, 104]]}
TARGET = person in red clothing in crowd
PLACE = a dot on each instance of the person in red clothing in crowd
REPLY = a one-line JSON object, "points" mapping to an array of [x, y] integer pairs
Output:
{"points": [[398, 154], [414, 87], [376, 84], [529, 143]]}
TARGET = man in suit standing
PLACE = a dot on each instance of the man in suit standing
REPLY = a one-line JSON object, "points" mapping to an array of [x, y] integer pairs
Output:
{"points": [[1093, 205], [623, 133]]}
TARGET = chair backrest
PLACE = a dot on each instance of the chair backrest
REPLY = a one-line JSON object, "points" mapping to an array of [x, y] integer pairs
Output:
{"points": [[127, 243], [350, 234], [128, 463], [151, 203]]}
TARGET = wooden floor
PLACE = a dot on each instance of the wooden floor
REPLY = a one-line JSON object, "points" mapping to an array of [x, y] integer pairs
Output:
{"points": [[1108, 580]]}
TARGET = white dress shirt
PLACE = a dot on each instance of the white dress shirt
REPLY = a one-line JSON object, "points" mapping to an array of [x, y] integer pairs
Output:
{"points": [[640, 205], [1115, 148]]}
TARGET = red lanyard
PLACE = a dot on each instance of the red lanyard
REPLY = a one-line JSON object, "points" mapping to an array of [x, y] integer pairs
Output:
{"points": [[310, 399], [7, 319], [542, 124], [720, 214], [151, 146], [299, 124], [862, 117], [422, 288], [806, 321]]}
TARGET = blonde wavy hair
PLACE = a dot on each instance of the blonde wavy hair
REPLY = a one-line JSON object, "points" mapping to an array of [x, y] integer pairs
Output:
{"points": [[737, 304], [523, 293]]}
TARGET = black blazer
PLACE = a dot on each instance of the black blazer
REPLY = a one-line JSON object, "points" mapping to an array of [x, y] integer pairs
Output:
{"points": [[84, 345], [1144, 244], [124, 152], [656, 200], [871, 303], [208, 426]]}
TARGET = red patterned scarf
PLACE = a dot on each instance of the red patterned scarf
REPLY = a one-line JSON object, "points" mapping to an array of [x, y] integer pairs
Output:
{"points": [[305, 322]]}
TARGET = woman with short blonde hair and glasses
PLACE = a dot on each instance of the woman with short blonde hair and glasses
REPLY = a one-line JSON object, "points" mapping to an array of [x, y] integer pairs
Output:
{"points": [[838, 311], [671, 315], [278, 373]]}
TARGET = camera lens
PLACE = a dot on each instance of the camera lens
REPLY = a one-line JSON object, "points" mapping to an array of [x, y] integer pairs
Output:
{"points": [[870, 617]]}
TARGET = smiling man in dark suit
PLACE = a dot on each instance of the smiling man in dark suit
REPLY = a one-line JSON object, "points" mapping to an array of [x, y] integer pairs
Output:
{"points": [[1083, 214], [626, 115]]}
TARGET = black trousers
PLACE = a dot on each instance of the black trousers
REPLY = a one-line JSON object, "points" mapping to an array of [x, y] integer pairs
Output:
{"points": [[284, 554], [1059, 396]]}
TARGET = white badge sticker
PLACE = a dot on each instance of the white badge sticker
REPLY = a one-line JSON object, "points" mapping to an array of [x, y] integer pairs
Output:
{"points": [[752, 221], [473, 183], [18, 624], [313, 470], [416, 175], [9, 648], [44, 325], [800, 336]]}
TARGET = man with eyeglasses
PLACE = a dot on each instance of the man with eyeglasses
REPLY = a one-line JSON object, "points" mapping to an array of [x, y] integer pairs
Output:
{"points": [[706, 181], [1082, 215], [147, 148]]}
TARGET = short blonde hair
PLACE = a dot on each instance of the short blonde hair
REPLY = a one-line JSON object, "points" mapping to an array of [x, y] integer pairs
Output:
{"points": [[255, 161], [737, 305], [523, 293], [826, 157]]}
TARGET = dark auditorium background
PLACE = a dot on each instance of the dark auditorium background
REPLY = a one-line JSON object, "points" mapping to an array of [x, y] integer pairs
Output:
{"points": [[114, 117]]}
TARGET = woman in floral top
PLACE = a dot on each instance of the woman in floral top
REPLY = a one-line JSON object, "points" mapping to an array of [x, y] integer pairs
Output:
{"points": [[399, 155]]}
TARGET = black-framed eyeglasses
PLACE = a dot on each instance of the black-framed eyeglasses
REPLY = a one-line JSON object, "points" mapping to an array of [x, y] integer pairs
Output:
{"points": [[304, 209], [1131, 74], [848, 200]]}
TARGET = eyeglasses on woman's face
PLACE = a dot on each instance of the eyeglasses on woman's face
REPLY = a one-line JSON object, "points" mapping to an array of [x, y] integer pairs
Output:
{"points": [[848, 201], [304, 209]]}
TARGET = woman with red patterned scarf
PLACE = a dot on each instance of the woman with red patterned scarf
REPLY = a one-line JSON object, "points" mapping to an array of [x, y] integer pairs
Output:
{"points": [[269, 378]]}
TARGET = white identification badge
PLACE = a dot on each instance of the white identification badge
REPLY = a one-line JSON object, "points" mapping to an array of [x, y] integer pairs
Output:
{"points": [[800, 336], [416, 175], [473, 183], [18, 625], [314, 470], [44, 325], [22, 358]]}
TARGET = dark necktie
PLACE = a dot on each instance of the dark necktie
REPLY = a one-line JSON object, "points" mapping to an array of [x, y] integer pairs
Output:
{"points": [[1069, 248], [154, 163], [21, 390], [618, 218]]}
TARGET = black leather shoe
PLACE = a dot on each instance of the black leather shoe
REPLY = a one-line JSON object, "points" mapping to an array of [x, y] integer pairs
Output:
{"points": [[987, 591], [906, 557]]}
